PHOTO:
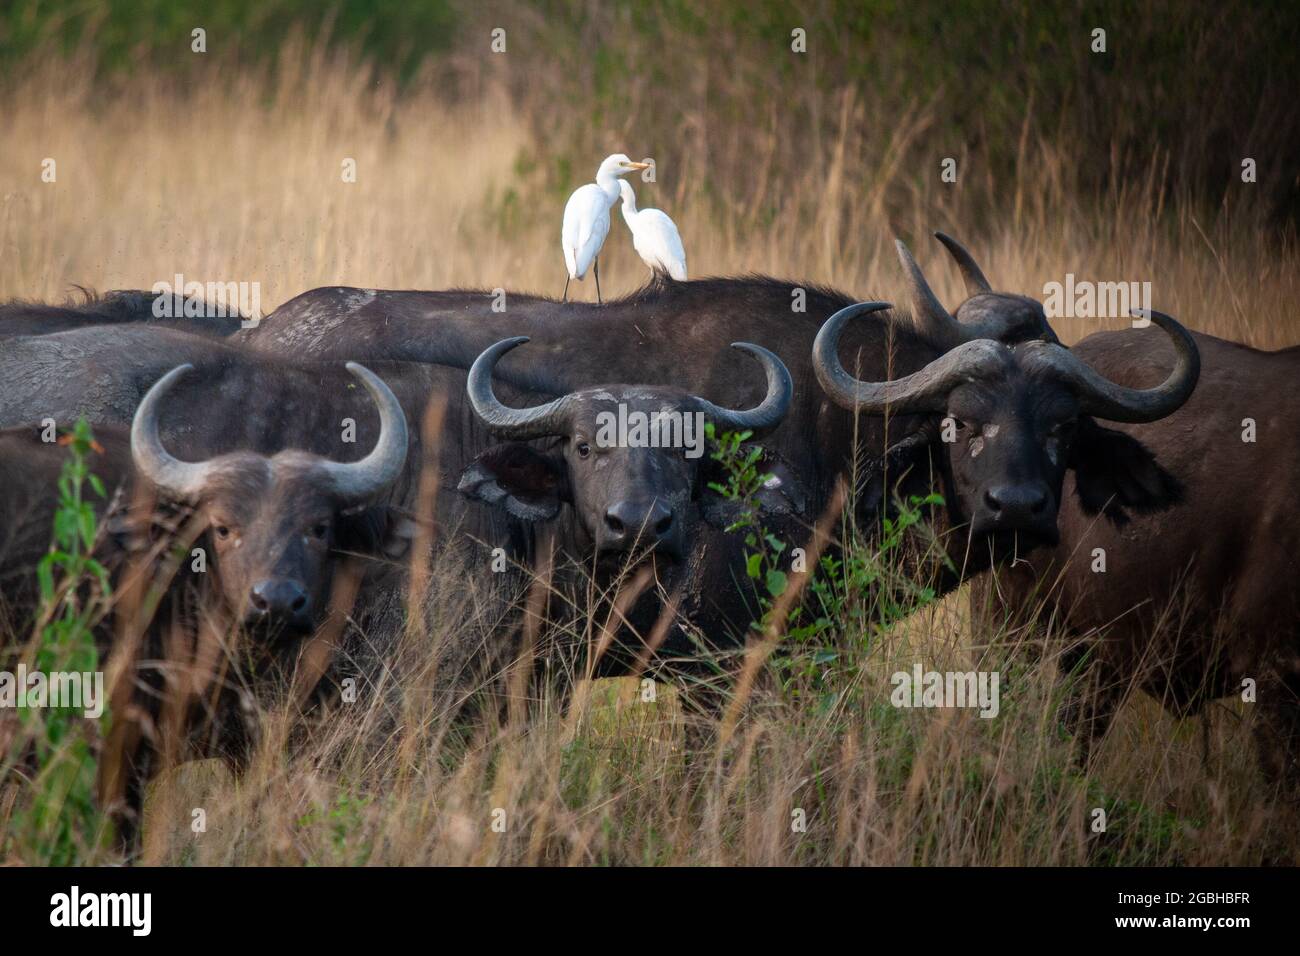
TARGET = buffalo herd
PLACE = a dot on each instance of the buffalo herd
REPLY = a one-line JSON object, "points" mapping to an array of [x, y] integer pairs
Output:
{"points": [[1134, 488]]}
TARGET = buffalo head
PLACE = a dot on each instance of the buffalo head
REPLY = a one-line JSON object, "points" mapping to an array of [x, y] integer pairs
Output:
{"points": [[274, 522], [630, 460], [1011, 419]]}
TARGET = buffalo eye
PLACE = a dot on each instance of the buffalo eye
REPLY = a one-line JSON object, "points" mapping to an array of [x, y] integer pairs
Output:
{"points": [[222, 532], [584, 450], [319, 530]]}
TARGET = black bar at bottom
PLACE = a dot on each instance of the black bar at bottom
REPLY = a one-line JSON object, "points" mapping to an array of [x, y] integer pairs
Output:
{"points": [[332, 905]]}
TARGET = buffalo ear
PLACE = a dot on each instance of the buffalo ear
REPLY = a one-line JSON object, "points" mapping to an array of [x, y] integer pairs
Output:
{"points": [[377, 530], [525, 482], [782, 494], [401, 532], [908, 458], [1115, 473], [131, 528]]}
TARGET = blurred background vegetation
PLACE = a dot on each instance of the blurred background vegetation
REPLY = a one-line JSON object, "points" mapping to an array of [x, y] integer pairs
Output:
{"points": [[1187, 89]]}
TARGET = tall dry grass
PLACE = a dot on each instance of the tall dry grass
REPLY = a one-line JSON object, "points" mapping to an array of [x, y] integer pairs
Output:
{"points": [[603, 776], [238, 179]]}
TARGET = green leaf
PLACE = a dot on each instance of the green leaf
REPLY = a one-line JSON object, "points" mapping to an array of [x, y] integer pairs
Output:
{"points": [[776, 582], [87, 527], [45, 578]]}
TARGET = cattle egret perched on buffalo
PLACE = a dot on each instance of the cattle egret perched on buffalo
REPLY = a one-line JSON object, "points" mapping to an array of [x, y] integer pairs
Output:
{"points": [[586, 218], [654, 236]]}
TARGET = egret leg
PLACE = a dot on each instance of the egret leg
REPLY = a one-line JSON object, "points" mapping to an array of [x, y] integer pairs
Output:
{"points": [[566, 289], [598, 302]]}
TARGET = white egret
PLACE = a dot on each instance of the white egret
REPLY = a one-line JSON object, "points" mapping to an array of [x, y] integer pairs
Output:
{"points": [[654, 236], [586, 218]]}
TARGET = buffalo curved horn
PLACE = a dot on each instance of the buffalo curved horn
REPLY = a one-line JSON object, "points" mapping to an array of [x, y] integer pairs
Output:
{"points": [[928, 314], [517, 423], [183, 480], [925, 390], [357, 481], [1101, 397], [934, 322], [970, 272], [770, 411]]}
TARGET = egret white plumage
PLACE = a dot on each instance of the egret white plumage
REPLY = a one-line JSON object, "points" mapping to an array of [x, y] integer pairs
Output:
{"points": [[586, 218], [654, 236]]}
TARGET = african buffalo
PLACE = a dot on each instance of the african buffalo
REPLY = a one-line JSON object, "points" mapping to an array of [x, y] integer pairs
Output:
{"points": [[268, 528], [1188, 602], [1015, 418], [275, 520]]}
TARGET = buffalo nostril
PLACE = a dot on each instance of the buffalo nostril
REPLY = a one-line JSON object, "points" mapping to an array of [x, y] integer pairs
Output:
{"points": [[1017, 503], [638, 521], [278, 598]]}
